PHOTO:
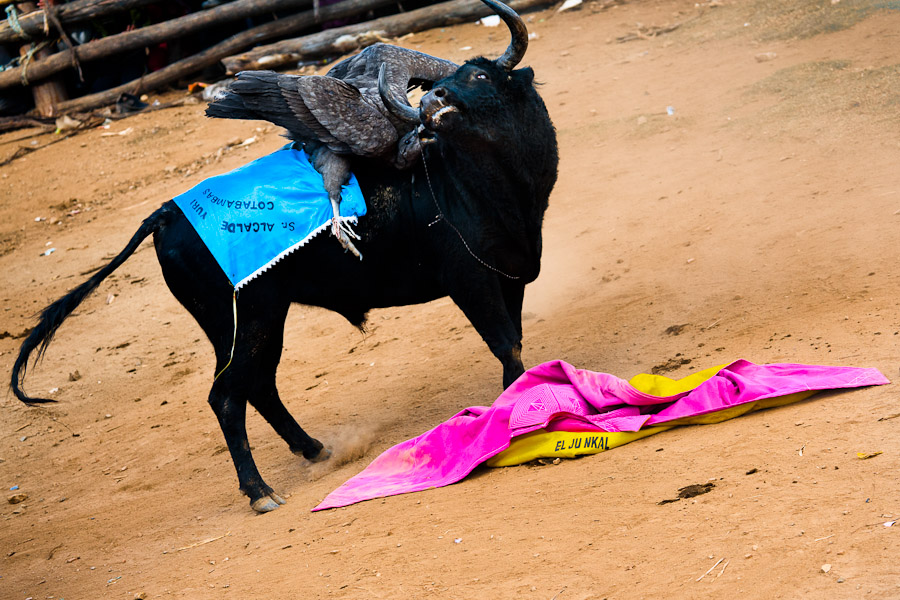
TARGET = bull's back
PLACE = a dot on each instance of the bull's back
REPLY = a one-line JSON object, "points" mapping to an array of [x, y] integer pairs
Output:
{"points": [[398, 269]]}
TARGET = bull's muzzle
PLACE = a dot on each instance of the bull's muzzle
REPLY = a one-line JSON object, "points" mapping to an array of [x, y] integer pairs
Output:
{"points": [[435, 107]]}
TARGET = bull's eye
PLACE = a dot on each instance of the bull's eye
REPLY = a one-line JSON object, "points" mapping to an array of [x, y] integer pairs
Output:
{"points": [[481, 76]]}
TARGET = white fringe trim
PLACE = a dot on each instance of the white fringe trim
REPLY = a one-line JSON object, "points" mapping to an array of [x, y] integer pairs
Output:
{"points": [[343, 222]]}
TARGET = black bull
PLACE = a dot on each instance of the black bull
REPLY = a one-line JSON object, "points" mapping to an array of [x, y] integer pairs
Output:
{"points": [[465, 223]]}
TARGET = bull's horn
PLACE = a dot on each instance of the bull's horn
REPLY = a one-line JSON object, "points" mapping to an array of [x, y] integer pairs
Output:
{"points": [[519, 42], [398, 107]]}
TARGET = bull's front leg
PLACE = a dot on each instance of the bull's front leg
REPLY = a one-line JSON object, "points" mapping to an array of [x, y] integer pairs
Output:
{"points": [[513, 296], [495, 311]]}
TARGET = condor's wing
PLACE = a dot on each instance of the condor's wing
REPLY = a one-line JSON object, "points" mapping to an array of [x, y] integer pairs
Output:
{"points": [[311, 108], [258, 95], [405, 68], [342, 112]]}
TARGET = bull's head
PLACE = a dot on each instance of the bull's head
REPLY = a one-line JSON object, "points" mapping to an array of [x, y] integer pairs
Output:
{"points": [[473, 101]]}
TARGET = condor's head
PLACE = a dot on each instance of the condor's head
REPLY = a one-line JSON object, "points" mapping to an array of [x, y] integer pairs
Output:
{"points": [[484, 101]]}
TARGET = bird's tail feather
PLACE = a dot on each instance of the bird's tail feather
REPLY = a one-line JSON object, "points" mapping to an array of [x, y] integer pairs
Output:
{"points": [[254, 95]]}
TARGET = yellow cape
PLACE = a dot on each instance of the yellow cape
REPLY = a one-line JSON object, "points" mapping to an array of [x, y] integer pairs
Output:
{"points": [[567, 444]]}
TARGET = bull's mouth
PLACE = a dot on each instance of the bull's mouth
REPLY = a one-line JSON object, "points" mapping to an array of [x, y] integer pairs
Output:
{"points": [[435, 112], [436, 117]]}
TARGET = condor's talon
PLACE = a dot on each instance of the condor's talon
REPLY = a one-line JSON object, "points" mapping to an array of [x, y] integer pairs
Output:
{"points": [[342, 233], [344, 240]]}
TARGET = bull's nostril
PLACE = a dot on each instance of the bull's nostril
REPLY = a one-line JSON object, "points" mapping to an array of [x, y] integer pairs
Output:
{"points": [[439, 92]]}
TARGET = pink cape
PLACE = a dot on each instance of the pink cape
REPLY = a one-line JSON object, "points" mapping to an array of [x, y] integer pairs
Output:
{"points": [[574, 400]]}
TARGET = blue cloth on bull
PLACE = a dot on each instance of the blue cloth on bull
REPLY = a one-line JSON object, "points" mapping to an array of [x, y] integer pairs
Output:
{"points": [[254, 216]]}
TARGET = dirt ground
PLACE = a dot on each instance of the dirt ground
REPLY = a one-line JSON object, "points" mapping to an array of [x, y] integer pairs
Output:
{"points": [[761, 217]]}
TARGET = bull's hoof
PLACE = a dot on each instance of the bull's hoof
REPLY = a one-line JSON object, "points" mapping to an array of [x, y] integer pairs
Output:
{"points": [[323, 455], [267, 503], [263, 505]]}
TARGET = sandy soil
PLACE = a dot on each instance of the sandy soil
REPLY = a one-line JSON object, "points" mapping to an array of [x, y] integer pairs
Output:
{"points": [[762, 216]]}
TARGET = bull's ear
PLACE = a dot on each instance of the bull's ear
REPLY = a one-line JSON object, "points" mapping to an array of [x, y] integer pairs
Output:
{"points": [[525, 75]]}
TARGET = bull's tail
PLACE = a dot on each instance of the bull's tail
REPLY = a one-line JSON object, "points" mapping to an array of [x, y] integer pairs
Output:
{"points": [[54, 315]]}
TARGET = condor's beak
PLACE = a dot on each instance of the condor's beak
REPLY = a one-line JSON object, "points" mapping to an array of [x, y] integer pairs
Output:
{"points": [[425, 136]]}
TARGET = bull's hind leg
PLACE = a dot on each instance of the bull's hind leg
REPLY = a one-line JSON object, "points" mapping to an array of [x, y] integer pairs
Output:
{"points": [[269, 405], [239, 376], [199, 284], [230, 405], [250, 376], [267, 347]]}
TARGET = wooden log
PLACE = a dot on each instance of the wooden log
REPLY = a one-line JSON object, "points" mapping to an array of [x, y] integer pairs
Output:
{"points": [[73, 12], [49, 94], [214, 54], [13, 123], [346, 39], [146, 36]]}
